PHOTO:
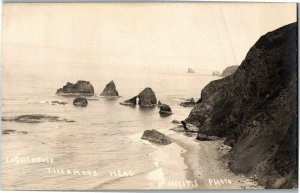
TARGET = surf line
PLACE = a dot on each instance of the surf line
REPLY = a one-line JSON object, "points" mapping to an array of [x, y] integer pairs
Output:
{"points": [[71, 172]]}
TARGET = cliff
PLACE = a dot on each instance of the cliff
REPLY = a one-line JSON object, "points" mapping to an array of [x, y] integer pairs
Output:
{"points": [[255, 109]]}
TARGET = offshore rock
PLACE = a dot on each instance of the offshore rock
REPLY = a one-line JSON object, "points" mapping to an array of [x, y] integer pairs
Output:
{"points": [[110, 90], [81, 87]]}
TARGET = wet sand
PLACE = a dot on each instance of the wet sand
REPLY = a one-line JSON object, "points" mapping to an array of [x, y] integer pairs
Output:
{"points": [[205, 165]]}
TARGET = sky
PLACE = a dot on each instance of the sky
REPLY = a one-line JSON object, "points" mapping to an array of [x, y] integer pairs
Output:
{"points": [[39, 38]]}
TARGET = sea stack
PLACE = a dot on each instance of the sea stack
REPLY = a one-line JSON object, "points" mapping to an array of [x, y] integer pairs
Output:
{"points": [[229, 71], [81, 87], [255, 109], [110, 90], [146, 98]]}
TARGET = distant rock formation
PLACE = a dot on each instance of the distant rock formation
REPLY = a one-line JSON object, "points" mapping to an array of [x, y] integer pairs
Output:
{"points": [[156, 137], [110, 90], [216, 73], [146, 98], [165, 110], [255, 109], [81, 87], [80, 101], [35, 118], [229, 71], [190, 70], [188, 103]]}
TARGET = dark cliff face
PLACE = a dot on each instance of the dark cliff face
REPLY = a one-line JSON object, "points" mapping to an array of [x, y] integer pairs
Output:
{"points": [[256, 110]]}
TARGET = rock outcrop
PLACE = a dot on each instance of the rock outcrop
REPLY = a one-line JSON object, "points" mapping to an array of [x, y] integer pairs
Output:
{"points": [[80, 102], [159, 104], [255, 109], [190, 70], [130, 102], [110, 90], [229, 71], [81, 87], [216, 73], [165, 110], [188, 103], [146, 98], [156, 137], [35, 118]]}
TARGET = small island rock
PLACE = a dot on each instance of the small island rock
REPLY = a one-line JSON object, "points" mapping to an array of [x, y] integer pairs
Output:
{"points": [[80, 101], [110, 90], [146, 98], [165, 110], [81, 87]]}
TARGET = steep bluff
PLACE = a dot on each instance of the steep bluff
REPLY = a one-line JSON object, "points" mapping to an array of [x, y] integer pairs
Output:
{"points": [[256, 110]]}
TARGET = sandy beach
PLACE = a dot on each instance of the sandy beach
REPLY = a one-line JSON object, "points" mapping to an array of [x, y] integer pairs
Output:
{"points": [[205, 167]]}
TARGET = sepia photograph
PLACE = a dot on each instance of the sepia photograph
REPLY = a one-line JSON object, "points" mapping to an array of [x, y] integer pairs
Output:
{"points": [[149, 96]]}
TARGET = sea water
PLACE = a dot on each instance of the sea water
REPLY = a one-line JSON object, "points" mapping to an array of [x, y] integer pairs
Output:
{"points": [[102, 148]]}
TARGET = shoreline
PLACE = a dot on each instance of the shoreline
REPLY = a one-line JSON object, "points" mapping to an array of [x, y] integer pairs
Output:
{"points": [[206, 166]]}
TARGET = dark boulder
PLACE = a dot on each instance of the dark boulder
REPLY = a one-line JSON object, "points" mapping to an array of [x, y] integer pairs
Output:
{"points": [[156, 137], [81, 87], [188, 103], [165, 110], [110, 90], [80, 101], [229, 71], [255, 109]]}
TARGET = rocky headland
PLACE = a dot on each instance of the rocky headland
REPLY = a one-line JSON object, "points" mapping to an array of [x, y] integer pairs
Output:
{"points": [[255, 110]]}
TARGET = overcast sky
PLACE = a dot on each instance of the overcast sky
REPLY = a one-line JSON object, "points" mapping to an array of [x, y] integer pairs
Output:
{"points": [[203, 36]]}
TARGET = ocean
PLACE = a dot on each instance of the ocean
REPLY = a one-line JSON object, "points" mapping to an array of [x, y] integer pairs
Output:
{"points": [[102, 149]]}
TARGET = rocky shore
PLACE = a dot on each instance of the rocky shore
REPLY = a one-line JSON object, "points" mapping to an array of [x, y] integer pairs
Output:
{"points": [[255, 109]]}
